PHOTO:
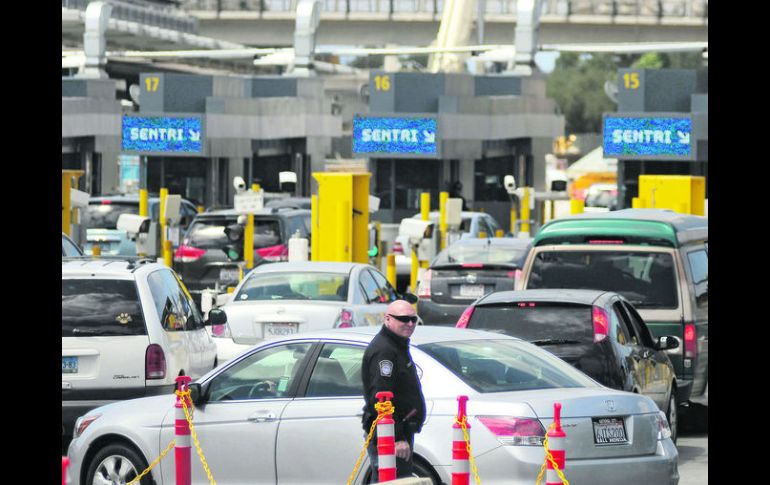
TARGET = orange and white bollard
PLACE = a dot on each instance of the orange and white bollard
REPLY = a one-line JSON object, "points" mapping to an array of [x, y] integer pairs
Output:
{"points": [[461, 470], [182, 449], [65, 462], [556, 439], [386, 443]]}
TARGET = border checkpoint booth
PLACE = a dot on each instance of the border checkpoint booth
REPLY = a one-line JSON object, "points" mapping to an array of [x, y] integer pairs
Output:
{"points": [[194, 133], [425, 132]]}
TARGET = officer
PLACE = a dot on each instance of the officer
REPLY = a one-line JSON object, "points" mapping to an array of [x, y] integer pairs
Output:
{"points": [[388, 366]]}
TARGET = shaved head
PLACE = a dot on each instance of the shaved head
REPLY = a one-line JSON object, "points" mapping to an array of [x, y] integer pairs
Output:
{"points": [[397, 309]]}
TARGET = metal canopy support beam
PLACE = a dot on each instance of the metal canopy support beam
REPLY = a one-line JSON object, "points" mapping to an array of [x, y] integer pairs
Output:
{"points": [[525, 35], [308, 18], [94, 41]]}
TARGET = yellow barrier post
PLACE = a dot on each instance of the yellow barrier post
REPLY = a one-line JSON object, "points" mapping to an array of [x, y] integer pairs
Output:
{"points": [[67, 179], [552, 210], [392, 269], [167, 253], [315, 237], [163, 195], [442, 197], [378, 260], [576, 206], [200, 209], [248, 242], [425, 206], [144, 198], [482, 234], [525, 211], [415, 269], [513, 220], [96, 250], [499, 233]]}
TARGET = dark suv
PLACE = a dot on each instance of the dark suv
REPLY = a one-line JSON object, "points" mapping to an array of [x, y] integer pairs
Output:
{"points": [[201, 260]]}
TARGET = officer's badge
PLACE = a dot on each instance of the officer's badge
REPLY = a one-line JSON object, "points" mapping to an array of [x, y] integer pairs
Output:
{"points": [[386, 368]]}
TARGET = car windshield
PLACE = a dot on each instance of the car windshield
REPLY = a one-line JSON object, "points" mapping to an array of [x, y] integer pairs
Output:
{"points": [[536, 321], [92, 307], [105, 216], [210, 233], [460, 253], [505, 365], [294, 286], [646, 279]]}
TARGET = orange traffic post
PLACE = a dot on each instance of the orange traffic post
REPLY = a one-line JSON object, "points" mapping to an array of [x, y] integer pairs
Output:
{"points": [[556, 439], [386, 442], [461, 470]]}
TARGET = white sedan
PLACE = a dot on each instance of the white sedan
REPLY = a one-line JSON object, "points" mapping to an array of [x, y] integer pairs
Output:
{"points": [[289, 410]]}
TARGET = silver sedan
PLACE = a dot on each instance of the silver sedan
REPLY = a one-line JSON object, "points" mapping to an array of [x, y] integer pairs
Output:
{"points": [[288, 411]]}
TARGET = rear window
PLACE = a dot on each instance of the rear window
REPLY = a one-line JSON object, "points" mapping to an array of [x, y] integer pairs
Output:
{"points": [[476, 253], [647, 280], [105, 216], [95, 307], [505, 365], [536, 321], [210, 233], [294, 286]]}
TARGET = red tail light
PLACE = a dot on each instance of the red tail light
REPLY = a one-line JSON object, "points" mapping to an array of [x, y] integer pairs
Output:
{"points": [[601, 324], [345, 319], [274, 253], [188, 254], [423, 285], [690, 343], [154, 362], [106, 202], [515, 431], [398, 248], [465, 317], [472, 265]]}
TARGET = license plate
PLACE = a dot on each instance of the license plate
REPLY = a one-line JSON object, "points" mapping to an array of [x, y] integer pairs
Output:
{"points": [[69, 365], [609, 431], [280, 329], [229, 274], [471, 291]]}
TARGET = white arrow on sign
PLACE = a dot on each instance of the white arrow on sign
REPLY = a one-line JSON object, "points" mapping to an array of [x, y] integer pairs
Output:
{"points": [[194, 135], [684, 138], [430, 137]]}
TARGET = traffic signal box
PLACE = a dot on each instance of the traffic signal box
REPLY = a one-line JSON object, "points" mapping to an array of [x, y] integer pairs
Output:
{"points": [[342, 217], [685, 194]]}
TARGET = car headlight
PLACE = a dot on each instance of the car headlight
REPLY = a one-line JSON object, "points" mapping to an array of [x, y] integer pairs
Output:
{"points": [[663, 429], [83, 422]]}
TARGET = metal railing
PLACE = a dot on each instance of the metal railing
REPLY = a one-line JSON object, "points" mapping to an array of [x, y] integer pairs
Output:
{"points": [[146, 13], [695, 9]]}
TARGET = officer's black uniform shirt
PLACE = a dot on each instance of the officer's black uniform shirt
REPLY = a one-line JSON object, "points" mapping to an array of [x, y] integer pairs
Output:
{"points": [[388, 366]]}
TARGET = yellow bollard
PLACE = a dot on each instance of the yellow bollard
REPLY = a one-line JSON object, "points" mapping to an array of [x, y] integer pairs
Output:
{"points": [[482, 234], [499, 233], [552, 210], [576, 206], [96, 250], [248, 242], [163, 195], [143, 203], [525, 211], [392, 269], [378, 259], [66, 204], [167, 253], [513, 220], [442, 198], [425, 206], [415, 269], [201, 209], [314, 235]]}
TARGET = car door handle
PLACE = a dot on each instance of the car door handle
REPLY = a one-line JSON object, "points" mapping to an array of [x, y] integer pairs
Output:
{"points": [[262, 417]]}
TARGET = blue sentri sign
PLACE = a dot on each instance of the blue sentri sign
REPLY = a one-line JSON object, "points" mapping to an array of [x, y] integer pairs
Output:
{"points": [[647, 137], [162, 134], [395, 136]]}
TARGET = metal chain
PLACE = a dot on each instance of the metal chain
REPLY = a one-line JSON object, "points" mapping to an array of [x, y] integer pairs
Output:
{"points": [[549, 457], [182, 396], [154, 462], [383, 408], [468, 447]]}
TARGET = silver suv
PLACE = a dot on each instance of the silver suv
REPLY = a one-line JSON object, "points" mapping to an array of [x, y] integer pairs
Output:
{"points": [[129, 328]]}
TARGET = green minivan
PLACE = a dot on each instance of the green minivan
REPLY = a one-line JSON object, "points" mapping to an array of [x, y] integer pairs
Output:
{"points": [[657, 259]]}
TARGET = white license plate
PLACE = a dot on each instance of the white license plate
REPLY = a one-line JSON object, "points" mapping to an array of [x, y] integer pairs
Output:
{"points": [[280, 329], [609, 431], [471, 291], [229, 274], [69, 365]]}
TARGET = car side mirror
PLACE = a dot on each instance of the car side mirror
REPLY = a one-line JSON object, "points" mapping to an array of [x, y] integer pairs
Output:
{"points": [[197, 393], [667, 342], [410, 297], [216, 317]]}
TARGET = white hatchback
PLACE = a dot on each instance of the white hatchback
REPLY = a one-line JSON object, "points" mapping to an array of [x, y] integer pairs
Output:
{"points": [[129, 328]]}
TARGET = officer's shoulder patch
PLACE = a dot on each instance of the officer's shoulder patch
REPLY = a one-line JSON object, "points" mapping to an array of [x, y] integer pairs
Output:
{"points": [[386, 368]]}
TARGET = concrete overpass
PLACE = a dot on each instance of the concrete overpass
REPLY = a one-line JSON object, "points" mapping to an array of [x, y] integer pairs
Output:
{"points": [[416, 22]]}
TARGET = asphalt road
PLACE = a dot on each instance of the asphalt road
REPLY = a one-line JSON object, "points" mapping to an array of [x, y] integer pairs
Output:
{"points": [[693, 458]]}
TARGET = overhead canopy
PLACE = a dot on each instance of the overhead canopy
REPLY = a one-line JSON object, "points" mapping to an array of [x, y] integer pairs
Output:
{"points": [[593, 161]]}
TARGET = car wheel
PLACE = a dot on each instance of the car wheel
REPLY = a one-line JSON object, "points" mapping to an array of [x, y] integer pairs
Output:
{"points": [[116, 463], [672, 415]]}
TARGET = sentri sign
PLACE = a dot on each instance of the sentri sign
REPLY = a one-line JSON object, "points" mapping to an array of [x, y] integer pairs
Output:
{"points": [[395, 137], [648, 137], [162, 134]]}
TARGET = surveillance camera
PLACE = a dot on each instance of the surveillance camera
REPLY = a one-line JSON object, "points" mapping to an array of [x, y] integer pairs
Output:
{"points": [[133, 224], [510, 184], [416, 229], [239, 184]]}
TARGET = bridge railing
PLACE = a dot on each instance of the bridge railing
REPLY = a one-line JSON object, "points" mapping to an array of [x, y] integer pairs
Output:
{"points": [[562, 8]]}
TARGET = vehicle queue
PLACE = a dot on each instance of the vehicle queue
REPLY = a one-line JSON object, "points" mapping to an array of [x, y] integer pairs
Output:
{"points": [[303, 327]]}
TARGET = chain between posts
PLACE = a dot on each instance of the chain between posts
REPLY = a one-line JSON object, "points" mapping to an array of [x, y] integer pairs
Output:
{"points": [[383, 409], [468, 447], [154, 462], [549, 457]]}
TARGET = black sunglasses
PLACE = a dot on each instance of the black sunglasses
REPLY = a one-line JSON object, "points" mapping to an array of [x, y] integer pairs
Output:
{"points": [[404, 318]]}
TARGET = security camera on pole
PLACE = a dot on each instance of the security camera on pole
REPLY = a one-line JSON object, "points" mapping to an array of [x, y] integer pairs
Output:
{"points": [[248, 202]]}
